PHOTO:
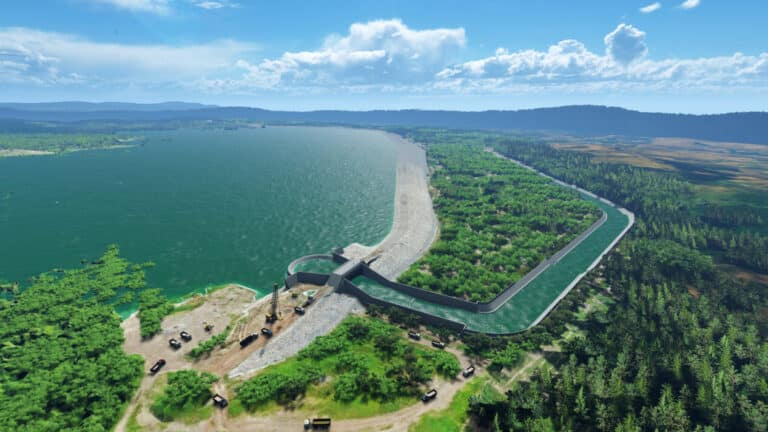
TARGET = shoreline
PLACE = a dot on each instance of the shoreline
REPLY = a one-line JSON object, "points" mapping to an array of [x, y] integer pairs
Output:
{"points": [[414, 224], [414, 229], [8, 153]]}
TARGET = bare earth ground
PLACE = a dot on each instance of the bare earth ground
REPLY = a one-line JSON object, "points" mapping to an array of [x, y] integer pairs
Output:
{"points": [[232, 305]]}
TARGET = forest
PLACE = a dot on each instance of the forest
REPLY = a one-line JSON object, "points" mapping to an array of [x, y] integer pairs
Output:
{"points": [[62, 364], [497, 222], [61, 142], [683, 346]]}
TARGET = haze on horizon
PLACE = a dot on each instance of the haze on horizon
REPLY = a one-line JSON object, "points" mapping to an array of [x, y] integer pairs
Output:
{"points": [[693, 56]]}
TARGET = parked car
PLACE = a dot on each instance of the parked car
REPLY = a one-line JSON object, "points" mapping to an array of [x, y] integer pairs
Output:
{"points": [[299, 310], [157, 366], [175, 344], [266, 332], [414, 335], [185, 336], [438, 344], [220, 401], [428, 396], [248, 340], [468, 372]]}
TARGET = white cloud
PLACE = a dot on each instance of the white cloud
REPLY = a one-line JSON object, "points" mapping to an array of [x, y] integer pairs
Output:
{"points": [[160, 7], [690, 4], [376, 52], [45, 57], [373, 58], [212, 5], [569, 66], [653, 7], [625, 44]]}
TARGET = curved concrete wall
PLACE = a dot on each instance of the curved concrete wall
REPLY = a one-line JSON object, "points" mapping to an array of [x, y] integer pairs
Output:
{"points": [[305, 258]]}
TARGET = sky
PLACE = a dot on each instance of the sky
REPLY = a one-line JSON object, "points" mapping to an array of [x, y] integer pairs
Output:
{"points": [[691, 56]]}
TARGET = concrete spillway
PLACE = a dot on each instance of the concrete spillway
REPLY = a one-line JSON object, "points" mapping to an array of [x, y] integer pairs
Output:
{"points": [[518, 308]]}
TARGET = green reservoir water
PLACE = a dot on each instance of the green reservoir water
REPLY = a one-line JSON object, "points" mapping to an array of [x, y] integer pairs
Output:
{"points": [[206, 206]]}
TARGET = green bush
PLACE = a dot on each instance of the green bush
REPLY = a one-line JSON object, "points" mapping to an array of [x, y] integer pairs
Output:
{"points": [[280, 386], [209, 345], [153, 307], [186, 389]]}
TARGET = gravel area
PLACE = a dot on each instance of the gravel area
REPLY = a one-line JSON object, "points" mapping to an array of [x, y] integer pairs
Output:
{"points": [[320, 319], [414, 225], [414, 228]]}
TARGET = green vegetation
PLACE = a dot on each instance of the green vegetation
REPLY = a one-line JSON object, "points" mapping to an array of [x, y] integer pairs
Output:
{"points": [[61, 142], [153, 307], [210, 344], [369, 362], [681, 347], [497, 222], [62, 365], [185, 394]]}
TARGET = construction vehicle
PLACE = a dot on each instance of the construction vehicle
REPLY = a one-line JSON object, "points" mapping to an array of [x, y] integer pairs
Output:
{"points": [[248, 340], [318, 423], [273, 314]]}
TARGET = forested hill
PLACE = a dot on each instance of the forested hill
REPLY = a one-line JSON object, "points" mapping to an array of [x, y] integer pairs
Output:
{"points": [[747, 127]]}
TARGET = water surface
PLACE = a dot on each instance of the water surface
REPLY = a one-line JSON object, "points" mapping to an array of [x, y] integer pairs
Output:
{"points": [[207, 206]]}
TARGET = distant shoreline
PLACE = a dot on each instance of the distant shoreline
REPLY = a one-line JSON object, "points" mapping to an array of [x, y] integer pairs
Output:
{"points": [[4, 153]]}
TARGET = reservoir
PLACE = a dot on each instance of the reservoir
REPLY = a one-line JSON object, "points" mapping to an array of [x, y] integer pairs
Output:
{"points": [[206, 206]]}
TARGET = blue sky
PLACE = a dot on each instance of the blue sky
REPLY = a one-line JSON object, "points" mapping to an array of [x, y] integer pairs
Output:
{"points": [[699, 56]]}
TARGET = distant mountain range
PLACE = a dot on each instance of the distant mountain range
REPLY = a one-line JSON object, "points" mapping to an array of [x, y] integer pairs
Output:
{"points": [[587, 120]]}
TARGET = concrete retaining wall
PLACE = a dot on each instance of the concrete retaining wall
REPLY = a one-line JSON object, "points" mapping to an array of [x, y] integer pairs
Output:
{"points": [[430, 296], [519, 285], [292, 266], [307, 278], [348, 287]]}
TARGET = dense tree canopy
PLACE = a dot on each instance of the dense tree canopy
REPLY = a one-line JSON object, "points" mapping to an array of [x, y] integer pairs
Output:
{"points": [[62, 366], [682, 348], [497, 222]]}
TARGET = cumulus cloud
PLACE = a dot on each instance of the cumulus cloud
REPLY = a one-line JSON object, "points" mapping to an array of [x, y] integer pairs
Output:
{"points": [[46, 57], [375, 52], [690, 4], [377, 57], [625, 44], [570, 65], [653, 7], [160, 7]]}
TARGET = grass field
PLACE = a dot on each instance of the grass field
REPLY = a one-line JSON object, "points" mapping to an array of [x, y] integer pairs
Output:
{"points": [[723, 172]]}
